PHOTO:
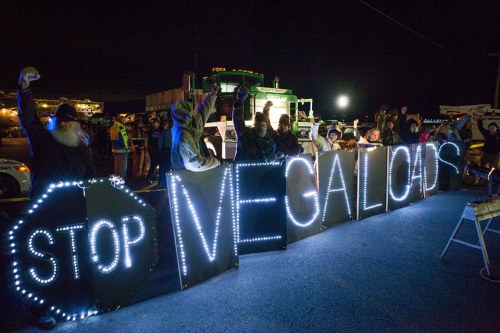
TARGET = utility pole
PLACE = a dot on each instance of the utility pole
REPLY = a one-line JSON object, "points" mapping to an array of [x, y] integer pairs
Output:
{"points": [[497, 55]]}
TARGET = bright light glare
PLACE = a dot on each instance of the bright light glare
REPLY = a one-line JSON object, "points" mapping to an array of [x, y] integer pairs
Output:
{"points": [[342, 101]]}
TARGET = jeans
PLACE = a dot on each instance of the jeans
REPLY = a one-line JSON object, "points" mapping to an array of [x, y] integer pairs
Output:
{"points": [[121, 164]]}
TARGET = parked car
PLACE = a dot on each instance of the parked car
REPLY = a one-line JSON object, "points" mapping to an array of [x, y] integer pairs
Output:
{"points": [[14, 178]]}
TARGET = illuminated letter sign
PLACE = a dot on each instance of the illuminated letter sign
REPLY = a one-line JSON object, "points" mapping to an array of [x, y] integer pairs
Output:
{"points": [[260, 207], [302, 200], [336, 178], [399, 176], [451, 165], [202, 209], [372, 181], [431, 169], [67, 250]]}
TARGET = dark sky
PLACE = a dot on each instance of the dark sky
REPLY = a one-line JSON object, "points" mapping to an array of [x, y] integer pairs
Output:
{"points": [[122, 51]]}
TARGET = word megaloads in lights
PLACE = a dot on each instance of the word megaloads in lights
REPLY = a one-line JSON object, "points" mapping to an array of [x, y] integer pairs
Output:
{"points": [[93, 241], [72, 240]]}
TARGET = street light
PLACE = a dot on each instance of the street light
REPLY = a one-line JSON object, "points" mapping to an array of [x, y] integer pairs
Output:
{"points": [[342, 103]]}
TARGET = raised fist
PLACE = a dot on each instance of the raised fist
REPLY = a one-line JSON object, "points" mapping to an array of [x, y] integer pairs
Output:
{"points": [[242, 94], [27, 75], [404, 109], [214, 90], [356, 121]]}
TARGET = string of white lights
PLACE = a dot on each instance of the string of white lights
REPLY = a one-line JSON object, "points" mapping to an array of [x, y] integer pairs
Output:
{"points": [[336, 161], [391, 165], [436, 165]]}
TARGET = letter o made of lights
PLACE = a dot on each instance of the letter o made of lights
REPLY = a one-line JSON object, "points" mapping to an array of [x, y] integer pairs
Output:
{"points": [[391, 164], [310, 170], [93, 246]]}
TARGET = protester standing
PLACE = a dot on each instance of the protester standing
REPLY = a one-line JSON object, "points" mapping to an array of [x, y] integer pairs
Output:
{"points": [[120, 146], [165, 148]]}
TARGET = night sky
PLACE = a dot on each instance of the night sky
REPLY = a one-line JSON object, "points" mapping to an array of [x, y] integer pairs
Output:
{"points": [[123, 51]]}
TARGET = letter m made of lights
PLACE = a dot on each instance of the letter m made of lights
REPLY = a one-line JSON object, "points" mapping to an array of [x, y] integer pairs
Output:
{"points": [[203, 219]]}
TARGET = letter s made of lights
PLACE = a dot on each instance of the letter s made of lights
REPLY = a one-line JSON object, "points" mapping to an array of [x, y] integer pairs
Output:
{"points": [[446, 162], [42, 255]]}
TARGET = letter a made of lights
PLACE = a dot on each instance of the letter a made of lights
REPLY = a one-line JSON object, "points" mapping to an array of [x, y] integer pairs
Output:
{"points": [[329, 189], [310, 194]]}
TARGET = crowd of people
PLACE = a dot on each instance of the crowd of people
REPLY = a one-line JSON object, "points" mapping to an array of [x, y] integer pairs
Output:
{"points": [[64, 150]]}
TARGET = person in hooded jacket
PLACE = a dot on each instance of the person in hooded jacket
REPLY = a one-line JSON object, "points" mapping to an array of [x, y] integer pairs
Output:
{"points": [[254, 143], [189, 151], [321, 144]]}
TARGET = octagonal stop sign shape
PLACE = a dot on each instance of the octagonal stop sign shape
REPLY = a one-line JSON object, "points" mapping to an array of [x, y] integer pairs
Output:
{"points": [[83, 248]]}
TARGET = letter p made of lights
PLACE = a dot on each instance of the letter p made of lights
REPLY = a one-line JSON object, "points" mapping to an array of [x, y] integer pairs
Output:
{"points": [[83, 248]]}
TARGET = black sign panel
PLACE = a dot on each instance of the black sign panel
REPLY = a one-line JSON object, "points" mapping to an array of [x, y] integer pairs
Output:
{"points": [[372, 181], [62, 260], [431, 169], [451, 165], [260, 206], [202, 209], [123, 242], [336, 186], [405, 175], [302, 199]]}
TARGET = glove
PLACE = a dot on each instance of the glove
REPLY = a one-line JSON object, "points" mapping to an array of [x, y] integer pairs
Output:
{"points": [[28, 75], [242, 94]]}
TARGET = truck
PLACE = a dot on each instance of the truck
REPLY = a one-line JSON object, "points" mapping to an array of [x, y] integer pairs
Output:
{"points": [[474, 111], [219, 134]]}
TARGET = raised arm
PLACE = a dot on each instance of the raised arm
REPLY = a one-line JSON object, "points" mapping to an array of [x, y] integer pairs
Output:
{"points": [[238, 117], [30, 122], [205, 108]]}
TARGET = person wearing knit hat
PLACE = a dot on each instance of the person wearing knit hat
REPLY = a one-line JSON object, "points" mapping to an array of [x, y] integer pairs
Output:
{"points": [[189, 151], [322, 144], [58, 153], [254, 143], [288, 142]]}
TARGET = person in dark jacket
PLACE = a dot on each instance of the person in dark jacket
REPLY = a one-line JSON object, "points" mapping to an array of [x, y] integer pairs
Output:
{"points": [[409, 129], [390, 136], [253, 143], [165, 147], [491, 142], [59, 153], [154, 153], [288, 143]]}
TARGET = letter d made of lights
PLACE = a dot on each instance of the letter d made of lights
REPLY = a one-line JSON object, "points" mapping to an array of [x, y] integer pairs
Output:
{"points": [[83, 248]]}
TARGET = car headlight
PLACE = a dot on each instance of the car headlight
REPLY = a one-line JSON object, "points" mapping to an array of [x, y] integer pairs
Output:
{"points": [[23, 168]]}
